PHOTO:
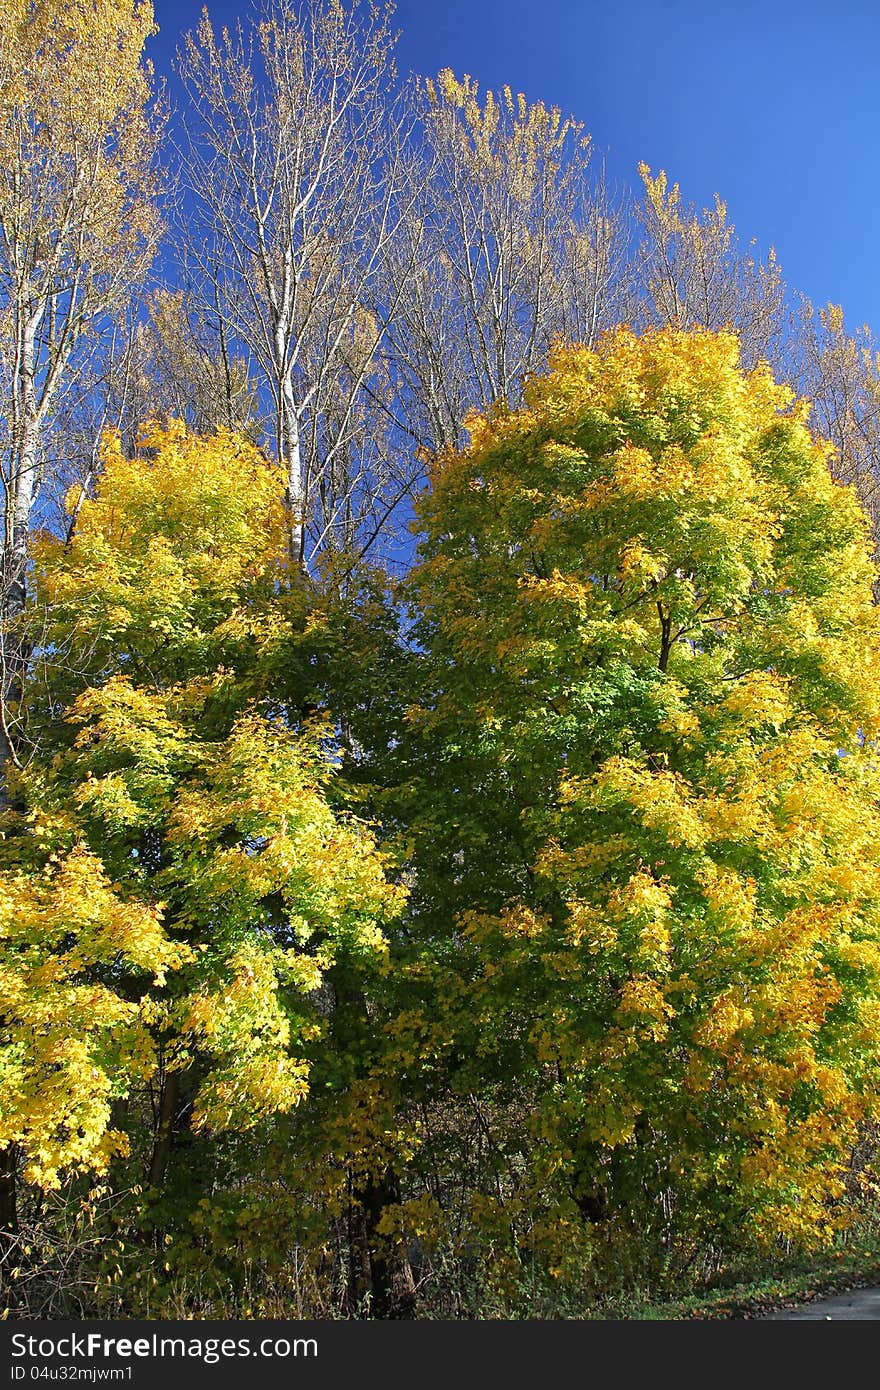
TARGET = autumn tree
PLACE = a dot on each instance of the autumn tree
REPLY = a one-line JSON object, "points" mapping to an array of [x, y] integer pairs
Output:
{"points": [[643, 838], [839, 371], [694, 273], [181, 893], [507, 244], [163, 359], [292, 160], [78, 228], [176, 364]]}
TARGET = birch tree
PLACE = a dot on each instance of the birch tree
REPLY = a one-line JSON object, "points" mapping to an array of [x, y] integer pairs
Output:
{"points": [[291, 160], [78, 229]]}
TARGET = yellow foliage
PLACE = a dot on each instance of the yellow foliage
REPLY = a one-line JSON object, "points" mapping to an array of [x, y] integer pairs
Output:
{"points": [[72, 1044], [652, 578], [212, 885]]}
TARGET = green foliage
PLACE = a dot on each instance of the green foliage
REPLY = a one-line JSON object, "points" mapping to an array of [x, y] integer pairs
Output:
{"points": [[178, 823], [604, 1008], [641, 787]]}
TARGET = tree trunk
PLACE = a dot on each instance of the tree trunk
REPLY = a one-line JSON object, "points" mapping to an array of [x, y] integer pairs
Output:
{"points": [[164, 1137], [379, 1275], [8, 1227], [8, 1195], [13, 651], [13, 592], [292, 459]]}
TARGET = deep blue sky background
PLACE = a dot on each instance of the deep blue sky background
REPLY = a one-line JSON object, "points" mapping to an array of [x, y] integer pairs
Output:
{"points": [[774, 105]]}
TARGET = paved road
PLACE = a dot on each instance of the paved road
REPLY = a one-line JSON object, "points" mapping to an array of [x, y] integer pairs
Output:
{"points": [[858, 1305]]}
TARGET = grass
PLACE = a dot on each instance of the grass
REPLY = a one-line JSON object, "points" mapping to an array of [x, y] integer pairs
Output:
{"points": [[755, 1294]]}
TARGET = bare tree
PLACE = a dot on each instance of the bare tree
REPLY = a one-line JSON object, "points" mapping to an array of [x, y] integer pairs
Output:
{"points": [[839, 373], [78, 229], [596, 272], [175, 363], [170, 363], [694, 273], [292, 160], [506, 248]]}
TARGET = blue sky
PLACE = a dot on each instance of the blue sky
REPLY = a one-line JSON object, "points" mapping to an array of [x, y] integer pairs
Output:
{"points": [[774, 105]]}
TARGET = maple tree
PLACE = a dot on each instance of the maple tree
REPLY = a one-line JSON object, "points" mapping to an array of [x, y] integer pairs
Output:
{"points": [[484, 940], [644, 846], [179, 879]]}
